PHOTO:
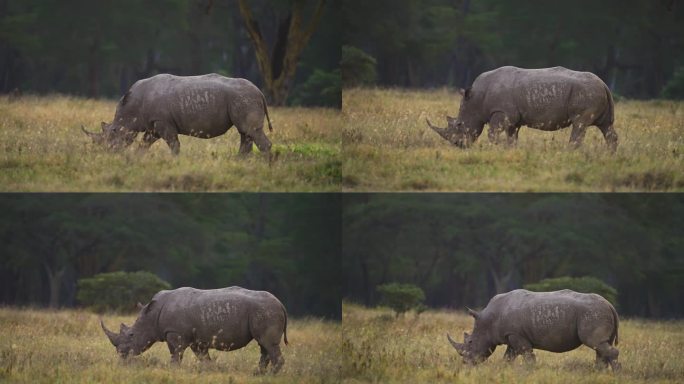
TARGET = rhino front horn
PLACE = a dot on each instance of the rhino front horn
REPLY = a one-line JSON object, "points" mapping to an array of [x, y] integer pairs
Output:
{"points": [[113, 337], [442, 131], [458, 347]]}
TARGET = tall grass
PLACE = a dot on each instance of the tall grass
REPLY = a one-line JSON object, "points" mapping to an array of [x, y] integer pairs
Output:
{"points": [[43, 149], [38, 346], [388, 146], [412, 349]]}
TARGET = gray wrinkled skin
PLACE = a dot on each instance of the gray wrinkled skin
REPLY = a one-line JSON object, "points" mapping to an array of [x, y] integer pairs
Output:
{"points": [[547, 99], [165, 106], [223, 319], [558, 321]]}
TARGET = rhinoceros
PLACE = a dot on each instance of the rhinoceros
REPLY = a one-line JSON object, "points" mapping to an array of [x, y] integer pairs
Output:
{"points": [[547, 99], [223, 319], [557, 321], [165, 106]]}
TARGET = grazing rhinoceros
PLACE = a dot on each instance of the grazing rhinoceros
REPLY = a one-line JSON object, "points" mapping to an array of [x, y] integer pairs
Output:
{"points": [[165, 106], [548, 99], [224, 319], [557, 321]]}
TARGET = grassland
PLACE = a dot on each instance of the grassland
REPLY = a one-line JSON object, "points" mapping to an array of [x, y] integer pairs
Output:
{"points": [[387, 146], [69, 347], [43, 149], [378, 348]]}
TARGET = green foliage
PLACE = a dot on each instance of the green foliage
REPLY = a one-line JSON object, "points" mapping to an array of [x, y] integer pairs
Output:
{"points": [[358, 67], [402, 297], [584, 284], [119, 291], [321, 89], [674, 89]]}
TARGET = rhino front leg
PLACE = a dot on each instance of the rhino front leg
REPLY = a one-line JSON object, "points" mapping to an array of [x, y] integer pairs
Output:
{"points": [[498, 123], [510, 354], [149, 138], [169, 134], [201, 352], [176, 346], [521, 346]]}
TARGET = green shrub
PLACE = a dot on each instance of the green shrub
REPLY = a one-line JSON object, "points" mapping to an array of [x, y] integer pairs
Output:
{"points": [[358, 67], [118, 291], [321, 89], [585, 284], [674, 89], [402, 297]]}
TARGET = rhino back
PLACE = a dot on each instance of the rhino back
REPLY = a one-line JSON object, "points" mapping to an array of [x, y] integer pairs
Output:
{"points": [[551, 321], [546, 98], [201, 106], [225, 315]]}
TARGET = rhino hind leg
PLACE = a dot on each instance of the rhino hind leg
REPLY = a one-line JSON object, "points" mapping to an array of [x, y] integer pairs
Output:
{"points": [[263, 360], [579, 129], [607, 355], [246, 144], [610, 136]]}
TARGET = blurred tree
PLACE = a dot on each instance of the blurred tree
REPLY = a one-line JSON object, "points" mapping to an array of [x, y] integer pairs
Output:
{"points": [[287, 244], [463, 249]]}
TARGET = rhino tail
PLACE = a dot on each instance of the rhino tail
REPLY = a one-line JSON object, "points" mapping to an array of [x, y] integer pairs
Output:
{"points": [[270, 127], [609, 115], [285, 327], [616, 320]]}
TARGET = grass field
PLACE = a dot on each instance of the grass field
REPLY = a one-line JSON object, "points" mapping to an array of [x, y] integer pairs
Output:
{"points": [[388, 146], [70, 347], [378, 348], [43, 149]]}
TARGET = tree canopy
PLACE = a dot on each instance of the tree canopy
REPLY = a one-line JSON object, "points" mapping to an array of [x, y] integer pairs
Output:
{"points": [[634, 46], [463, 249], [288, 244], [97, 48]]}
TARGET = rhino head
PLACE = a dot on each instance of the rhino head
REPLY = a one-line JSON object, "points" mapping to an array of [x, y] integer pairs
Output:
{"points": [[113, 137], [476, 347], [132, 341], [463, 130]]}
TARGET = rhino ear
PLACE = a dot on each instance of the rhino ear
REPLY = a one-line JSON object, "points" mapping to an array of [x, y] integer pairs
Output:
{"points": [[462, 91], [140, 306]]}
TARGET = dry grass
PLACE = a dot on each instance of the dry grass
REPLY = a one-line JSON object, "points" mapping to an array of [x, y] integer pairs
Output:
{"points": [[387, 146], [43, 149], [378, 348], [39, 346]]}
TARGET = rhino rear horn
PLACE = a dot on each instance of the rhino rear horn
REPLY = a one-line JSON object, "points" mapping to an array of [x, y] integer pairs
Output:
{"points": [[457, 346], [113, 337], [473, 313]]}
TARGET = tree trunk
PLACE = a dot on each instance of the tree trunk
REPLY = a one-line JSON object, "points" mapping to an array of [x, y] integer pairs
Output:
{"points": [[55, 283], [278, 69]]}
